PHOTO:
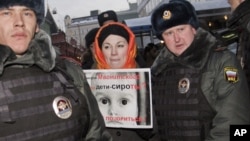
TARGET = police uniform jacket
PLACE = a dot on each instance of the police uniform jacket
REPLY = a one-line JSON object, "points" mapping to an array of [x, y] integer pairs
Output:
{"points": [[240, 22], [30, 88], [228, 99]]}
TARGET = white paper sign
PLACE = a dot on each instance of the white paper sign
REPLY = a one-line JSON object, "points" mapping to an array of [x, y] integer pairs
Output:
{"points": [[123, 96]]}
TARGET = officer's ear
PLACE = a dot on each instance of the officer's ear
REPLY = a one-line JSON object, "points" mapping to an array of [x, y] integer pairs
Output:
{"points": [[37, 28]]}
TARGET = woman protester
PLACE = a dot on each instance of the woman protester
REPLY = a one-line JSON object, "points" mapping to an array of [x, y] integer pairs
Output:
{"points": [[115, 48]]}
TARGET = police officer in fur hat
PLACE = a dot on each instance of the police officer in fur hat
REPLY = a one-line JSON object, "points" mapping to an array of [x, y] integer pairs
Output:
{"points": [[106, 17], [88, 57], [38, 100], [198, 91]]}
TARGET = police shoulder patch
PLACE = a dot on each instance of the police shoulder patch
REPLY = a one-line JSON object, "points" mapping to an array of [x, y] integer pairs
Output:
{"points": [[231, 74]]}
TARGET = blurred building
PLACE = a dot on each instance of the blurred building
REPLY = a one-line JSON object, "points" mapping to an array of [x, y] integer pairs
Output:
{"points": [[66, 48], [77, 28]]}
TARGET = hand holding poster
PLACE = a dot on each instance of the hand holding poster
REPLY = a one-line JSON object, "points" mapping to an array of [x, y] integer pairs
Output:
{"points": [[123, 96]]}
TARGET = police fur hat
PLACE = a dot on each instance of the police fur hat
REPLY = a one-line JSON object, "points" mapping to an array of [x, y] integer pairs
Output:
{"points": [[90, 37], [176, 12], [36, 5], [106, 16]]}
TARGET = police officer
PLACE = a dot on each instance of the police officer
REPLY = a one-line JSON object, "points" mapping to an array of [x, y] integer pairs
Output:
{"points": [[107, 17], [89, 59], [38, 100], [198, 92], [240, 22]]}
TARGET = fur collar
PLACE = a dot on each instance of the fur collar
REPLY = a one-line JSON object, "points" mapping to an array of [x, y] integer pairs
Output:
{"points": [[194, 57], [40, 53]]}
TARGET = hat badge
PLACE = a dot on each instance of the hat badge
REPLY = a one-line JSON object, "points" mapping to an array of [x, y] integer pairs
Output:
{"points": [[166, 15], [106, 15]]}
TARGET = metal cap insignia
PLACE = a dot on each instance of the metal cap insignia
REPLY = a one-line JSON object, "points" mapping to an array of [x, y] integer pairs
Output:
{"points": [[166, 15], [106, 15]]}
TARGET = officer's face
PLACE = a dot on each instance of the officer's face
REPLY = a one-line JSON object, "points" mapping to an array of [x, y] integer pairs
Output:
{"points": [[18, 25], [179, 38]]}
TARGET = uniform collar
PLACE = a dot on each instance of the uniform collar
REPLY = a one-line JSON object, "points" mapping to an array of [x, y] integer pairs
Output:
{"points": [[40, 53]]}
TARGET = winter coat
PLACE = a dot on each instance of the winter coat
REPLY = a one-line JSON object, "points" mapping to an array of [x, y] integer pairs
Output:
{"points": [[40, 59], [240, 22], [228, 99]]}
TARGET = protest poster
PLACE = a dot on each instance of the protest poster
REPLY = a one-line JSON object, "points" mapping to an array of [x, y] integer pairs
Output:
{"points": [[123, 95]]}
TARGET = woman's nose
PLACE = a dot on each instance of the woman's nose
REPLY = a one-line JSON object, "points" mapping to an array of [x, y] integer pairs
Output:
{"points": [[113, 51]]}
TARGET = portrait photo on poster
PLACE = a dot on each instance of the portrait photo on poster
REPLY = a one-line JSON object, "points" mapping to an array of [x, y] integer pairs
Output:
{"points": [[123, 96]]}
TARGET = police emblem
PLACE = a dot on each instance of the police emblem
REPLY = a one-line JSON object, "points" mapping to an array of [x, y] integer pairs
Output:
{"points": [[231, 74], [183, 85], [166, 15], [106, 15], [62, 107]]}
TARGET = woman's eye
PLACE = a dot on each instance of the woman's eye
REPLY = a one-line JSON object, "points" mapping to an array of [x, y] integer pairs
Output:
{"points": [[121, 45], [106, 47]]}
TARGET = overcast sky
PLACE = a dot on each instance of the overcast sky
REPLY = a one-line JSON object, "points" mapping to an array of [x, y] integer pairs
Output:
{"points": [[81, 8]]}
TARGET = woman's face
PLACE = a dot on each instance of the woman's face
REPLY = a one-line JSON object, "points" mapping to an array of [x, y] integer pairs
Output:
{"points": [[116, 100], [115, 51]]}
